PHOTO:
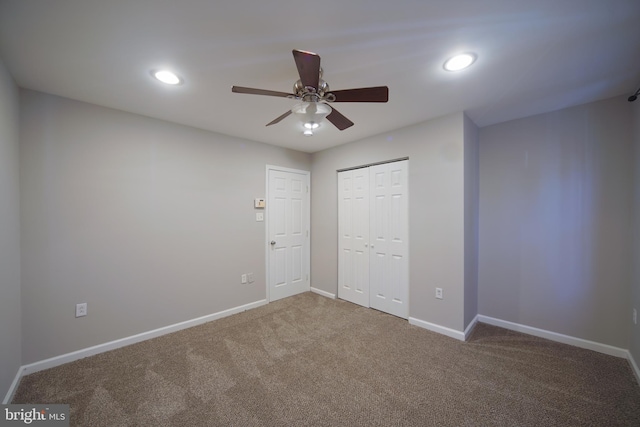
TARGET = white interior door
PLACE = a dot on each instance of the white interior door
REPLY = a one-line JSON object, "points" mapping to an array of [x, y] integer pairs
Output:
{"points": [[353, 232], [288, 232], [389, 230], [373, 242]]}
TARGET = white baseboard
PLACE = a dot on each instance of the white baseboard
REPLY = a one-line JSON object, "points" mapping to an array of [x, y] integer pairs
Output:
{"points": [[323, 293], [461, 336], [437, 328], [470, 327], [634, 366], [554, 336], [112, 345], [13, 388]]}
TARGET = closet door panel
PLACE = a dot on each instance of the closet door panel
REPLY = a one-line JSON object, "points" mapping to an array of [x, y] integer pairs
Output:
{"points": [[389, 285], [353, 236]]}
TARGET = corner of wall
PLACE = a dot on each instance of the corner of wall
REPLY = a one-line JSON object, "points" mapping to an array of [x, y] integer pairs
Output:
{"points": [[471, 203], [10, 275], [156, 232], [555, 211], [634, 335]]}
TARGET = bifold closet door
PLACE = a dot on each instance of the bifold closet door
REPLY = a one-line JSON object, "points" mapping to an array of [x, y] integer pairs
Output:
{"points": [[373, 227], [353, 236], [388, 242]]}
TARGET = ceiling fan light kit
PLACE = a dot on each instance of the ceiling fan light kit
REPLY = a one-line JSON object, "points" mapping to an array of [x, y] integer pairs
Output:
{"points": [[311, 114], [315, 95]]}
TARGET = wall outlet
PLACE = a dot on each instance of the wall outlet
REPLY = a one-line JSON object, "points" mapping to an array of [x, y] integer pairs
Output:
{"points": [[635, 317], [243, 279], [250, 277], [81, 309], [439, 293]]}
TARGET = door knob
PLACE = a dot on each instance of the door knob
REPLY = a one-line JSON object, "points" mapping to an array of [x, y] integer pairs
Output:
{"points": [[273, 242]]}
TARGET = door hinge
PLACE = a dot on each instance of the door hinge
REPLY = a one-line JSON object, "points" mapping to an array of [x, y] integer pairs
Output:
{"points": [[307, 277], [307, 233], [307, 188]]}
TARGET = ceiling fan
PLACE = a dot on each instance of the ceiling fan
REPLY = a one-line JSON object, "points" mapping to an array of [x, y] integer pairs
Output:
{"points": [[316, 95]]}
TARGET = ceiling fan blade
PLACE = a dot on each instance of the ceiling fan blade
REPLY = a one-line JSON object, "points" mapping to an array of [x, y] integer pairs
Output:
{"points": [[365, 94], [308, 64], [279, 119], [338, 120], [252, 91]]}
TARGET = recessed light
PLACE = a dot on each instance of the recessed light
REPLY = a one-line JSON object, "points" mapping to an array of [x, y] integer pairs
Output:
{"points": [[167, 77], [459, 62]]}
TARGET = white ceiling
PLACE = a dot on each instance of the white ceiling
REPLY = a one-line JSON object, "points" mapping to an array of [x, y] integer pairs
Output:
{"points": [[533, 56]]}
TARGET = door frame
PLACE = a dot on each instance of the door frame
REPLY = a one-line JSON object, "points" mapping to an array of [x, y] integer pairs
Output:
{"points": [[307, 254]]}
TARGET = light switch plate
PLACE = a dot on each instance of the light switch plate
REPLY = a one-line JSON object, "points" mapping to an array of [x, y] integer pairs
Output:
{"points": [[259, 216]]}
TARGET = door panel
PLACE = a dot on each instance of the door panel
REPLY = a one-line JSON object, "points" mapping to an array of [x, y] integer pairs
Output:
{"points": [[353, 236], [288, 238], [390, 246]]}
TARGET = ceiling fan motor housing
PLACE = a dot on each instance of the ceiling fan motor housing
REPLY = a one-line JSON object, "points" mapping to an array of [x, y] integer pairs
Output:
{"points": [[312, 94]]}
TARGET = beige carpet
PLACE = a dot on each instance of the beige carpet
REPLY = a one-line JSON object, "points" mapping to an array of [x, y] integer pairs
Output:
{"points": [[311, 361]]}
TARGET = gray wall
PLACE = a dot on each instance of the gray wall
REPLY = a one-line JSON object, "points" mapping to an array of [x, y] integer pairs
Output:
{"points": [[471, 204], [10, 332], [555, 220], [152, 223], [436, 213], [634, 344], [149, 222]]}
